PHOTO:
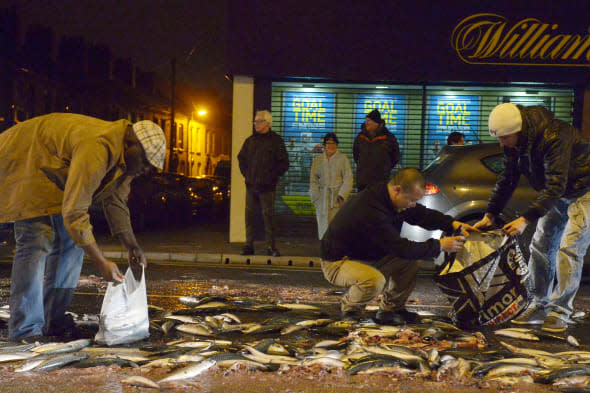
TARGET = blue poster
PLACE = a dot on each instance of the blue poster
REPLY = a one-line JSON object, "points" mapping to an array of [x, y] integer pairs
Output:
{"points": [[393, 109], [446, 114], [308, 116]]}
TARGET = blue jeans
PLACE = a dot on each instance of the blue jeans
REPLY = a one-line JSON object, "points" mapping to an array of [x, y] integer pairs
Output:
{"points": [[45, 273], [557, 250]]}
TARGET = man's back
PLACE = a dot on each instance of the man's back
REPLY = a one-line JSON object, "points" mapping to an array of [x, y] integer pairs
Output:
{"points": [[368, 227], [48, 142]]}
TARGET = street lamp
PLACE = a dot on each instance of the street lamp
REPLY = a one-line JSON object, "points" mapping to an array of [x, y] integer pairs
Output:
{"points": [[202, 112]]}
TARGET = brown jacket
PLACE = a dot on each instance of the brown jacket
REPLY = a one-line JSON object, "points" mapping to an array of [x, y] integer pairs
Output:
{"points": [[61, 163]]}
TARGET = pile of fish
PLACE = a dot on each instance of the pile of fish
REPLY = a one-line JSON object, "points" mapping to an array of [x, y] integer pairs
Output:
{"points": [[209, 332]]}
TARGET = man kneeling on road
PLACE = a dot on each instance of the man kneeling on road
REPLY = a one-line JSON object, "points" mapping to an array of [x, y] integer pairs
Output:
{"points": [[362, 248], [52, 168]]}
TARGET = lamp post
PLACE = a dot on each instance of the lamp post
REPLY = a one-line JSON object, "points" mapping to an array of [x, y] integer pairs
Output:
{"points": [[172, 104]]}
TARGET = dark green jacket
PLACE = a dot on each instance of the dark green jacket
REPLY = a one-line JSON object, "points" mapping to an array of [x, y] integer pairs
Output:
{"points": [[263, 160]]}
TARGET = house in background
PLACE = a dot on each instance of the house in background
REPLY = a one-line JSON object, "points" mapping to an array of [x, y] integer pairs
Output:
{"points": [[41, 73]]}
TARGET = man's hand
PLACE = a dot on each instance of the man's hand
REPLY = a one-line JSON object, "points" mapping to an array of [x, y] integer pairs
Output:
{"points": [[135, 255], [516, 227], [136, 258], [110, 271], [452, 244], [340, 201], [466, 229], [486, 222]]}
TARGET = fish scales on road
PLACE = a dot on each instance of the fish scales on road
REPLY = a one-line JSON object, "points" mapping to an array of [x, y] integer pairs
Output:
{"points": [[296, 335]]}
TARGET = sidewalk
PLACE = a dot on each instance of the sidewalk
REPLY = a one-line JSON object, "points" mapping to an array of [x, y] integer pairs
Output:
{"points": [[209, 243]]}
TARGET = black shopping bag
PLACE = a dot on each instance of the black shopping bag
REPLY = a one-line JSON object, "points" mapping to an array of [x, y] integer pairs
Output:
{"points": [[486, 282]]}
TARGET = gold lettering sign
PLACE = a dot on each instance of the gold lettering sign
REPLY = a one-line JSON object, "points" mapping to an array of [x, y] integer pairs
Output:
{"points": [[492, 39]]}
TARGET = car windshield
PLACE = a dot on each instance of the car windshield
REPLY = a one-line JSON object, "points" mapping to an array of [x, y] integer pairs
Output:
{"points": [[442, 156], [199, 184]]}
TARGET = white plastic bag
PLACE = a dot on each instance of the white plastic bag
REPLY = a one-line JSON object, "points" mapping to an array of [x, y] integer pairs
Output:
{"points": [[124, 313]]}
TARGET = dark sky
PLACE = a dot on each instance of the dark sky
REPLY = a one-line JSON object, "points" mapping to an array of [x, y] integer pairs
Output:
{"points": [[151, 32]]}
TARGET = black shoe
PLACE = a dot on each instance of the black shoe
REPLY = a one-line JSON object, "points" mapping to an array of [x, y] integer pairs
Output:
{"points": [[247, 250], [351, 316], [397, 317], [36, 339], [273, 252], [66, 330]]}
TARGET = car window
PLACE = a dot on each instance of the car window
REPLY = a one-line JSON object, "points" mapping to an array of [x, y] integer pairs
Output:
{"points": [[199, 184], [436, 162], [494, 163]]}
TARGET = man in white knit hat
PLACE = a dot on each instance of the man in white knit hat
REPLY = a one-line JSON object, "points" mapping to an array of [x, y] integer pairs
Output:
{"points": [[52, 168], [555, 159]]}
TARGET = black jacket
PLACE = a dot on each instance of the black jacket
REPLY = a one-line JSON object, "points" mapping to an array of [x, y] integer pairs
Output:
{"points": [[375, 157], [263, 160], [368, 227], [553, 156]]}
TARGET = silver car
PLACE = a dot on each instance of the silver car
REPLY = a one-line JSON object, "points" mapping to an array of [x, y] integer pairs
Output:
{"points": [[460, 181]]}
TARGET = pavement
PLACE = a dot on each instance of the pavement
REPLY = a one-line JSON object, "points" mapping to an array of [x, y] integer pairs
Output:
{"points": [[208, 243]]}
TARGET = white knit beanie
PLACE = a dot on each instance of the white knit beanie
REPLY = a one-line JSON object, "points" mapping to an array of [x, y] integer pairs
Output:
{"points": [[505, 119]]}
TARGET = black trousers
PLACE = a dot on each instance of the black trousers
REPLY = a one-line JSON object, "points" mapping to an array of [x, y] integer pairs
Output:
{"points": [[254, 202]]}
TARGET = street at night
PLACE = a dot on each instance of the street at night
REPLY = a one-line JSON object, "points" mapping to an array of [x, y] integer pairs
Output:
{"points": [[294, 196], [168, 281]]}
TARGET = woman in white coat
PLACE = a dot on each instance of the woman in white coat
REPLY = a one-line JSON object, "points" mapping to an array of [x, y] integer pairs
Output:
{"points": [[330, 182]]}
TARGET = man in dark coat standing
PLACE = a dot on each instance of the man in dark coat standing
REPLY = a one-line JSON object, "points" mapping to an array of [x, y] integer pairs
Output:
{"points": [[263, 160], [555, 158], [375, 151]]}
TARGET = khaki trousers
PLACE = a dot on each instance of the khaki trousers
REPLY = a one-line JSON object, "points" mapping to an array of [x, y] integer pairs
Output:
{"points": [[394, 277]]}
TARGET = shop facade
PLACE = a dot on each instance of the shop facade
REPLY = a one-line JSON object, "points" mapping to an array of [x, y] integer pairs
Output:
{"points": [[446, 75]]}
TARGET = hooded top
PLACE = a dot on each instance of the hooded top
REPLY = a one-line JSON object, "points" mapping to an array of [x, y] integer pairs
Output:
{"points": [[375, 157], [368, 228]]}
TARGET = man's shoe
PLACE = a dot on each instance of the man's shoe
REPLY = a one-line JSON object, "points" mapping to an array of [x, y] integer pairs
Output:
{"points": [[534, 315], [273, 252], [554, 324], [397, 317], [66, 330], [36, 339], [351, 316], [247, 250]]}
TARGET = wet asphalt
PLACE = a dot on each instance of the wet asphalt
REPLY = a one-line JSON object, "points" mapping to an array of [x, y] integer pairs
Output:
{"points": [[166, 282]]}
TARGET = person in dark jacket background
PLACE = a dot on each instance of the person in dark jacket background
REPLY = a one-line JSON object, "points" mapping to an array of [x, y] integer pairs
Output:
{"points": [[456, 138], [363, 250], [555, 158], [375, 151], [263, 160]]}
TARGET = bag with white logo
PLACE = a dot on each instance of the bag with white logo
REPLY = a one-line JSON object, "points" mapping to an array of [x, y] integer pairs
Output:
{"points": [[486, 281], [124, 313]]}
